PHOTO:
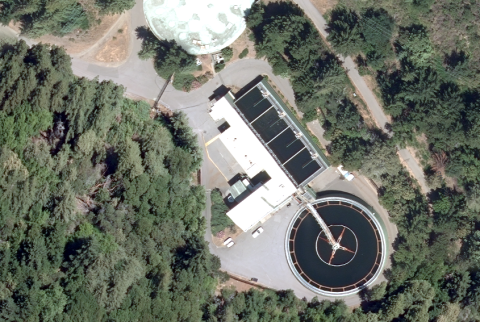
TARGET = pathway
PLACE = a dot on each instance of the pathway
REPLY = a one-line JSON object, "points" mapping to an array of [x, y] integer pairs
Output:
{"points": [[139, 78], [365, 92]]}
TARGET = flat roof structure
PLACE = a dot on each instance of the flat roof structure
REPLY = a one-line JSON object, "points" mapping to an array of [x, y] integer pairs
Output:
{"points": [[281, 133], [253, 158], [260, 133]]}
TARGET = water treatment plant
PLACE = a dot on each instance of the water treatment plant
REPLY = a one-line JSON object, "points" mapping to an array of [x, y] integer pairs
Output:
{"points": [[349, 259], [333, 245], [277, 157]]}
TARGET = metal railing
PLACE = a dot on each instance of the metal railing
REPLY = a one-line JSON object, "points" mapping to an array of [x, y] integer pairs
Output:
{"points": [[378, 226]]}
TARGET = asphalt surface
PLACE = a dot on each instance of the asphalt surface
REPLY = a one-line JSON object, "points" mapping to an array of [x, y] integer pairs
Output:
{"points": [[369, 98], [414, 168], [139, 77], [264, 257]]}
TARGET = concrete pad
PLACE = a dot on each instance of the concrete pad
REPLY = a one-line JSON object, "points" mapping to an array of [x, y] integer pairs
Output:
{"points": [[264, 257], [318, 131]]}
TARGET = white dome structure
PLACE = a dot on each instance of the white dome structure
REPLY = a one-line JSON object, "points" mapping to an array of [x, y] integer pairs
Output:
{"points": [[199, 26]]}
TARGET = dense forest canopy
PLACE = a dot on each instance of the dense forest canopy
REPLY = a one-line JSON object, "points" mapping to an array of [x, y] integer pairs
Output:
{"points": [[98, 216], [436, 248], [58, 17], [100, 220], [426, 87]]}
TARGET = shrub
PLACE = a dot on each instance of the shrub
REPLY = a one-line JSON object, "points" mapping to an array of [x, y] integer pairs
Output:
{"points": [[227, 53], [219, 220], [243, 54], [219, 67]]}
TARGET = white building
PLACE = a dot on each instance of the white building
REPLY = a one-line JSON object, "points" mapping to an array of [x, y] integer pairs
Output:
{"points": [[249, 152]]}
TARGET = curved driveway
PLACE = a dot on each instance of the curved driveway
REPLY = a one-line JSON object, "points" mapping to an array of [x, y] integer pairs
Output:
{"points": [[140, 79]]}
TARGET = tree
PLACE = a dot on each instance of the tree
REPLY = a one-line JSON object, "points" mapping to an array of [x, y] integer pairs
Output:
{"points": [[473, 247], [219, 220], [227, 53], [169, 59], [130, 161], [114, 6], [344, 30], [414, 45], [381, 159], [376, 28], [40, 17]]}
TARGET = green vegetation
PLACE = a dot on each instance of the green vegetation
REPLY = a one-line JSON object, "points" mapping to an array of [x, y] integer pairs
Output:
{"points": [[294, 48], [227, 53], [98, 218], [430, 96], [219, 67], [219, 220], [58, 17], [243, 54], [169, 58], [424, 93], [422, 98]]}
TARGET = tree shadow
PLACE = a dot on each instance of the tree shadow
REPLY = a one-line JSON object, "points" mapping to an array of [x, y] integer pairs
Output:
{"points": [[455, 58], [143, 32]]}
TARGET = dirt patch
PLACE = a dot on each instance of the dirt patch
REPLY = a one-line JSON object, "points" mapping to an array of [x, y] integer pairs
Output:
{"points": [[116, 47], [240, 286], [206, 66], [79, 40], [234, 89], [228, 232], [324, 5], [422, 139], [405, 165], [240, 44]]}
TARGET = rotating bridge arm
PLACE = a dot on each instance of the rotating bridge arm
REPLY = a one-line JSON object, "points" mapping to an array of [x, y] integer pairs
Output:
{"points": [[322, 223]]}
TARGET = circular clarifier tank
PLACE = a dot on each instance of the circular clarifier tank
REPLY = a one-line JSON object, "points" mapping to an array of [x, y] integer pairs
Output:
{"points": [[199, 26], [353, 263]]}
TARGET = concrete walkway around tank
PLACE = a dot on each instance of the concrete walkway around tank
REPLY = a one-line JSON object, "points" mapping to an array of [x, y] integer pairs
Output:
{"points": [[263, 257]]}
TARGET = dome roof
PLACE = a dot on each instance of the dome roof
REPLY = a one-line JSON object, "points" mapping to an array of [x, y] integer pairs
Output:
{"points": [[199, 26]]}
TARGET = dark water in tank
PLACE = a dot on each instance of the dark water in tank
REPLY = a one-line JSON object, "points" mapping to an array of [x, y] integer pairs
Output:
{"points": [[269, 125], [286, 145], [330, 276], [302, 166], [253, 104]]}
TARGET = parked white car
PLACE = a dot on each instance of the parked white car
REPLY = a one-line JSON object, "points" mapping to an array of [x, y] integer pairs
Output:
{"points": [[257, 232], [347, 175], [229, 242]]}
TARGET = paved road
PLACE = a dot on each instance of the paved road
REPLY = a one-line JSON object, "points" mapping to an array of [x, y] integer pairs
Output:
{"points": [[414, 168], [348, 64], [264, 257], [369, 98], [140, 79]]}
